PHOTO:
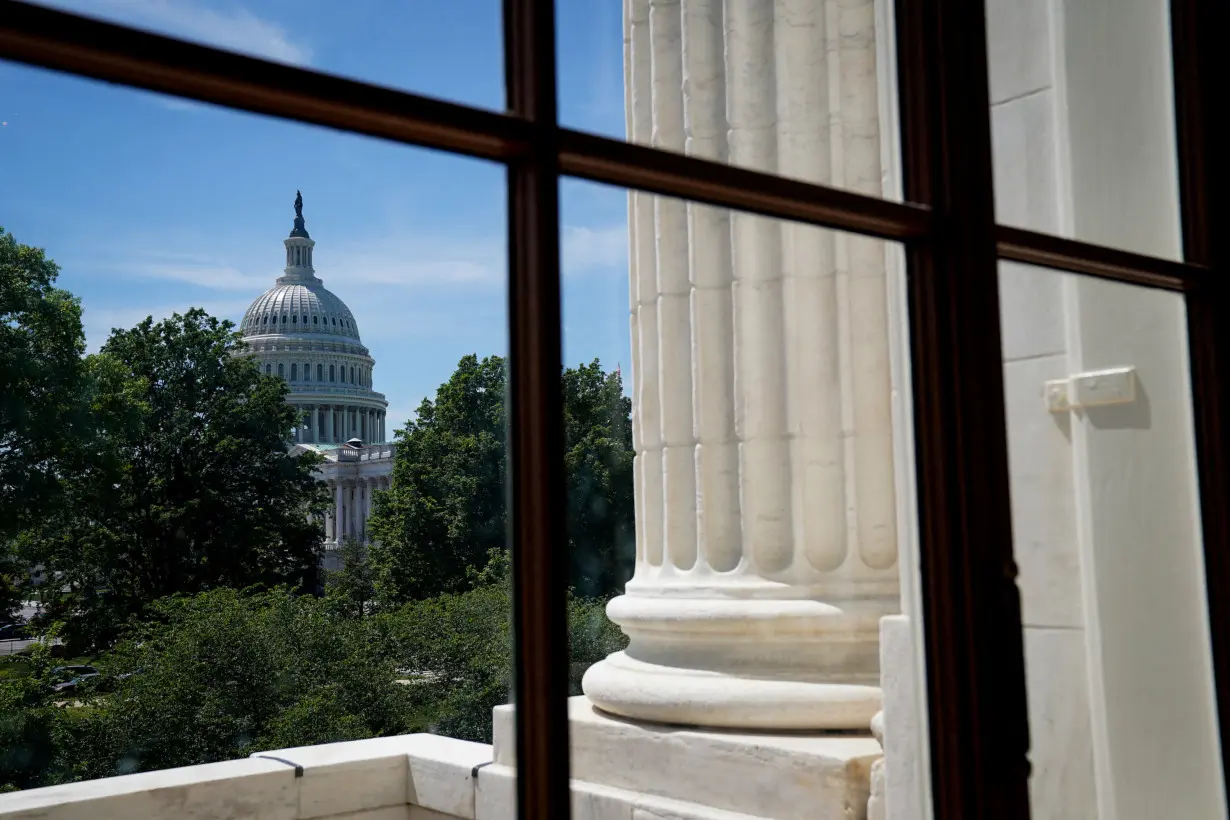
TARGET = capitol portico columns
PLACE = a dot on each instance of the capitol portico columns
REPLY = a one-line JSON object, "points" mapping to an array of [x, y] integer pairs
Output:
{"points": [[765, 502], [339, 515]]}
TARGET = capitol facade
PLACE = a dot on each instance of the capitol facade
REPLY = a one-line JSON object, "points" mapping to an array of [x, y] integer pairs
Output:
{"points": [[300, 331]]}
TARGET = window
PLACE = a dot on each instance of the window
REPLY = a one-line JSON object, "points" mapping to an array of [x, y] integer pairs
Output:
{"points": [[320, 372], [294, 372], [268, 370], [281, 370], [956, 159], [315, 320]]}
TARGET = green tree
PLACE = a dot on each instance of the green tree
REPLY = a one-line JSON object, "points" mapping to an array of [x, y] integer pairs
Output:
{"points": [[44, 418], [598, 461], [459, 649], [28, 726], [352, 587], [197, 489], [444, 512], [223, 674], [444, 515]]}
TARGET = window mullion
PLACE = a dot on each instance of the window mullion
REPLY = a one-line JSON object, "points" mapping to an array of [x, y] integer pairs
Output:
{"points": [[978, 723], [535, 423]]}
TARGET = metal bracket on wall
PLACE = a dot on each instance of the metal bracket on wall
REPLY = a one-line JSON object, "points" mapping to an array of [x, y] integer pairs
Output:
{"points": [[1116, 385]]}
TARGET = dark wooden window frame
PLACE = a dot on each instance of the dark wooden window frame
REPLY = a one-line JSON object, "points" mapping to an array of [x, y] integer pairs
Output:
{"points": [[975, 666]]}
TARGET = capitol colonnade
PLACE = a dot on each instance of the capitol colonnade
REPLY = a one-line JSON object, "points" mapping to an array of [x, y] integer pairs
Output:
{"points": [[338, 423], [353, 498]]}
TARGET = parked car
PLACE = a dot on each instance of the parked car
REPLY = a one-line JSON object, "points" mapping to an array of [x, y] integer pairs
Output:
{"points": [[14, 632], [68, 677]]}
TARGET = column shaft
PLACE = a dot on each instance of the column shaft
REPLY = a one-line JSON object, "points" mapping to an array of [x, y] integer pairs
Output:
{"points": [[340, 507], [330, 518], [760, 358]]}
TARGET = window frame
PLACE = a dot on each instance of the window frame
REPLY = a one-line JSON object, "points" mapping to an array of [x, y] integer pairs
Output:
{"points": [[972, 630]]}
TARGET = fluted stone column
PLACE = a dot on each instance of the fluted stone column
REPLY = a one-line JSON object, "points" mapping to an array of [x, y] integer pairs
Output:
{"points": [[367, 511], [329, 423], [330, 520], [340, 511], [765, 509]]}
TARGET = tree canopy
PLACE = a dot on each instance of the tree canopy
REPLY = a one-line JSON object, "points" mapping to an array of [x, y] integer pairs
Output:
{"points": [[444, 516], [193, 487], [225, 673], [44, 418]]}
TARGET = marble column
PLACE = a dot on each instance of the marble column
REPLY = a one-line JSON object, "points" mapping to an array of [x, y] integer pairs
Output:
{"points": [[330, 520], [340, 511], [329, 423], [367, 511], [352, 507], [765, 499]]}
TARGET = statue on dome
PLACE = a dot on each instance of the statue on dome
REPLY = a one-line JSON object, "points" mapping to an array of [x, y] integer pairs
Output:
{"points": [[298, 205]]}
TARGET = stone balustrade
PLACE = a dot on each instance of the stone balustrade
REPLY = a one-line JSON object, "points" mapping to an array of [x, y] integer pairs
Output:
{"points": [[412, 777], [622, 770]]}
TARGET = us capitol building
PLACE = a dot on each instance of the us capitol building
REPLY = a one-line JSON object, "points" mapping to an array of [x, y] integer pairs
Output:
{"points": [[302, 332]]}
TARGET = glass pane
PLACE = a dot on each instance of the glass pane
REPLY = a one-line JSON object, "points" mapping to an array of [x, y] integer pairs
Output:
{"points": [[740, 505], [1106, 525], [1083, 120], [804, 88], [452, 50], [288, 542]]}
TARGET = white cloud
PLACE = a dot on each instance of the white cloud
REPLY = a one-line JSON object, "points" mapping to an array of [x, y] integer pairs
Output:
{"points": [[584, 249], [233, 28], [412, 262], [202, 273]]}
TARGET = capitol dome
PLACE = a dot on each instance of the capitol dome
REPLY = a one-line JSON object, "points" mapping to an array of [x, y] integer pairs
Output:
{"points": [[299, 308], [304, 333]]}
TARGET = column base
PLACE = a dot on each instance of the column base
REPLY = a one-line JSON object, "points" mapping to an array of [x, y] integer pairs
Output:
{"points": [[622, 768], [751, 664], [630, 688]]}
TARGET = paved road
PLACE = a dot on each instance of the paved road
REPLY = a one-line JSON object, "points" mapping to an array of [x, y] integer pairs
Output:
{"points": [[28, 610], [12, 647]]}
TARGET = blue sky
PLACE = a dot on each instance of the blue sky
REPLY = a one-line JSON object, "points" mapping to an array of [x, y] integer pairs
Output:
{"points": [[152, 204]]}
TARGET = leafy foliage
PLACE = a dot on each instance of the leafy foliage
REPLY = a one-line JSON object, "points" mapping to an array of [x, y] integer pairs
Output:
{"points": [[444, 515], [44, 420], [352, 588], [223, 674], [43, 377], [445, 509], [194, 490]]}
